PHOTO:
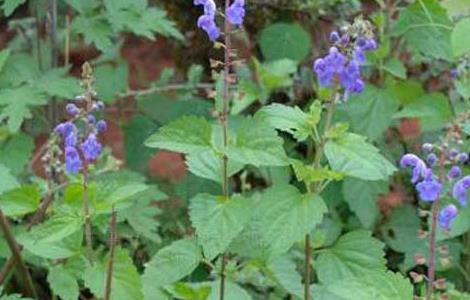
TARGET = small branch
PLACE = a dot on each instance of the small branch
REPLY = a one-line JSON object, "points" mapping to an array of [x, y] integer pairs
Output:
{"points": [[86, 212], [166, 88], [307, 267], [112, 247], [16, 252], [432, 250]]}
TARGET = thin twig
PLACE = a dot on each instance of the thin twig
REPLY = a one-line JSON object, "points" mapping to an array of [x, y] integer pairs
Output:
{"points": [[307, 267], [166, 88], [112, 247], [16, 253]]}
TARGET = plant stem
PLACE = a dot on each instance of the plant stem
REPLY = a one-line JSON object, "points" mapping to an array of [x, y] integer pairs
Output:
{"points": [[112, 248], [54, 55], [316, 189], [16, 253], [432, 250], [224, 119], [86, 212]]}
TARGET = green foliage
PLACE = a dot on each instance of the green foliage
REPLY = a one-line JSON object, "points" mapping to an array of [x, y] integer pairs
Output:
{"points": [[282, 40], [20, 201], [9, 6], [426, 28], [352, 155], [63, 283]]}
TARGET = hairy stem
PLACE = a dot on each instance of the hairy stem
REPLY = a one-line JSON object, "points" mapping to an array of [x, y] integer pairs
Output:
{"points": [[316, 189], [16, 253], [86, 212], [432, 250], [224, 119], [54, 54], [112, 248]]}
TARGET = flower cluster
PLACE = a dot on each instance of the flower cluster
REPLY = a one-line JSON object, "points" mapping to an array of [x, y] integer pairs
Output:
{"points": [[344, 60], [430, 187], [79, 147], [235, 15]]}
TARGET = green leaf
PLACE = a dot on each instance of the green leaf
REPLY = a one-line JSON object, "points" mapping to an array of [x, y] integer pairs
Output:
{"points": [[111, 80], [56, 228], [377, 286], [126, 282], [83, 6], [283, 271], [370, 113], [426, 28], [282, 40], [136, 132], [125, 192], [352, 155], [68, 247], [63, 283], [276, 74], [17, 103], [207, 164], [95, 30], [190, 291], [218, 221], [232, 291], [289, 119], [309, 174], [362, 197], [433, 111], [8, 181], [20, 201], [9, 6], [354, 255], [186, 134], [459, 38], [55, 83], [257, 144], [4, 55], [169, 265], [16, 152], [395, 67], [282, 217]]}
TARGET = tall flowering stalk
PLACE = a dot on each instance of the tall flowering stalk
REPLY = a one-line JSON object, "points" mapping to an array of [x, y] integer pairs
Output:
{"points": [[431, 189], [79, 137], [234, 16], [339, 70]]}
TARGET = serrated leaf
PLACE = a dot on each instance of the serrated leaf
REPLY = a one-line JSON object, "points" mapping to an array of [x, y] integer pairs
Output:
{"points": [[257, 144], [169, 265], [17, 103], [232, 291], [352, 155], [218, 221], [56, 228], [16, 152], [8, 181], [276, 74], [282, 217], [207, 164], [55, 83], [426, 28], [190, 291], [459, 38], [282, 40], [111, 80], [377, 286], [9, 6], [20, 201], [355, 254], [186, 134], [395, 67], [362, 197], [309, 174], [95, 30], [126, 282], [68, 247], [63, 283], [283, 271], [289, 119], [370, 113], [4, 55], [136, 131]]}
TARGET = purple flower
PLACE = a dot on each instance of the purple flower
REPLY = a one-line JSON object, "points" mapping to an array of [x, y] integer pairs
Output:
{"points": [[463, 157], [429, 189], [71, 139], [329, 66], [207, 23], [453, 153], [413, 161], [91, 119], [334, 37], [91, 148], [236, 12], [64, 129], [427, 147], [73, 162], [454, 172], [454, 73], [101, 126], [431, 159], [350, 78], [459, 190], [359, 56], [447, 215], [72, 109]]}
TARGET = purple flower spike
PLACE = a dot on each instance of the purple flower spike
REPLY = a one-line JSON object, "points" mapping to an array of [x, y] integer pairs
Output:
{"points": [[413, 161], [73, 162], [454, 172], [459, 191], [236, 12], [429, 189], [91, 148], [207, 23], [447, 215]]}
